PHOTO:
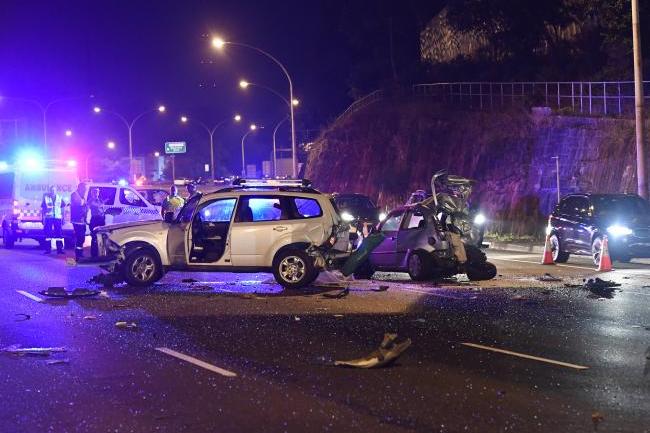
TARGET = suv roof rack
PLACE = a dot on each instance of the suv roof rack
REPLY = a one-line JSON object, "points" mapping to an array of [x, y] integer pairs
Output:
{"points": [[275, 183]]}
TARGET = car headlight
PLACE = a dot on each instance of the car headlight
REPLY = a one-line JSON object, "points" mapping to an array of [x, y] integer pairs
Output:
{"points": [[618, 230], [479, 219], [347, 217], [382, 216]]}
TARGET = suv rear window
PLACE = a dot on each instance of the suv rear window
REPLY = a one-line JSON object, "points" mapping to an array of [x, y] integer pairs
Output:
{"points": [[305, 208]]}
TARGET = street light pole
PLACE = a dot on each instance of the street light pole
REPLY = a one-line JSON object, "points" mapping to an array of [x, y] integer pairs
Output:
{"points": [[275, 162], [220, 43], [243, 157], [642, 180], [557, 175]]}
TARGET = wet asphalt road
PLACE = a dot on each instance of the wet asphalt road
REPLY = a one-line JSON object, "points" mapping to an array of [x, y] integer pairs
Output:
{"points": [[281, 345]]}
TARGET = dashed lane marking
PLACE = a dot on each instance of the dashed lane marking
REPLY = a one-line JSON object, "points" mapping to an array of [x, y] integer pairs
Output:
{"points": [[196, 362], [30, 296], [523, 355]]}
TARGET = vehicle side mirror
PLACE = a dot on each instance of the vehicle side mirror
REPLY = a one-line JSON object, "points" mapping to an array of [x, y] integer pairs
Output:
{"points": [[169, 217]]}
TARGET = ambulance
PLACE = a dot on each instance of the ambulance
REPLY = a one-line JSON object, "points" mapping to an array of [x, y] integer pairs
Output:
{"points": [[23, 184]]}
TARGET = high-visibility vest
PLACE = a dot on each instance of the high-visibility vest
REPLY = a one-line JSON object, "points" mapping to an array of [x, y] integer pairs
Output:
{"points": [[52, 206]]}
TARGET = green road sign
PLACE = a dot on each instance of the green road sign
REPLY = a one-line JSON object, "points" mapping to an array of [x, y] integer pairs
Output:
{"points": [[172, 147]]}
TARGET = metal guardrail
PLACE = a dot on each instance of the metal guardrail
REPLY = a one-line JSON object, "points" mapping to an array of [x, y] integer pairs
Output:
{"points": [[597, 98]]}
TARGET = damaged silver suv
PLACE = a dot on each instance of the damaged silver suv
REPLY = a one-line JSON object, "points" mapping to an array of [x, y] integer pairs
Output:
{"points": [[287, 228]]}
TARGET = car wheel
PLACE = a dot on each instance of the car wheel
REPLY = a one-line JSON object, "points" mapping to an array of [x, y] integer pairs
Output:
{"points": [[7, 238], [559, 256], [419, 266], [142, 267], [596, 246], [365, 271], [481, 271], [294, 269]]}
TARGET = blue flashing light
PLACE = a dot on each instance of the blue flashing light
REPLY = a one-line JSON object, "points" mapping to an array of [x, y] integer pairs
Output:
{"points": [[29, 160], [3, 165], [122, 182]]}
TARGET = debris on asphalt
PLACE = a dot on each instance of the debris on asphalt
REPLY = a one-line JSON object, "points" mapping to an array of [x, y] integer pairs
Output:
{"points": [[106, 280], [61, 292], [189, 280], [23, 317], [90, 317], [386, 354], [573, 286], [125, 325], [202, 288], [338, 315], [549, 278], [381, 288], [338, 295], [597, 418], [70, 261], [58, 361], [36, 351], [420, 320], [602, 288], [296, 318]]}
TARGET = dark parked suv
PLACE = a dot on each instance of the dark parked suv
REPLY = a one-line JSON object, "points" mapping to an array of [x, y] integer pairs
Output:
{"points": [[580, 221]]}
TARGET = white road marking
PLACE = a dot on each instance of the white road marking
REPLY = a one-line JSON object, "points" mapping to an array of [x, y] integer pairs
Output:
{"points": [[538, 263], [197, 362], [434, 294], [30, 296], [523, 355]]}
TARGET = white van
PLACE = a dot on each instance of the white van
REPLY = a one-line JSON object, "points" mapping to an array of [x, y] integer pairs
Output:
{"points": [[21, 194]]}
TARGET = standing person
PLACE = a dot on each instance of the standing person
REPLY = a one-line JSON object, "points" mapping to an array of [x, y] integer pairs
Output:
{"points": [[97, 218], [172, 203], [192, 191], [78, 215], [52, 211]]}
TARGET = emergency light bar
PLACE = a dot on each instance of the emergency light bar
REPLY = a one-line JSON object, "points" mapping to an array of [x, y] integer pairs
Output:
{"points": [[258, 183]]}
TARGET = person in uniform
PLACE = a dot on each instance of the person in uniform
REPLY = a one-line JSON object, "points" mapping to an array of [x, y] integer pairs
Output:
{"points": [[78, 216], [192, 191], [97, 218], [172, 203], [52, 211]]}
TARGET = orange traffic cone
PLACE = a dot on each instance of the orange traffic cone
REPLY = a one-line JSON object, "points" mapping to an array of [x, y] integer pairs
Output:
{"points": [[547, 258], [605, 263]]}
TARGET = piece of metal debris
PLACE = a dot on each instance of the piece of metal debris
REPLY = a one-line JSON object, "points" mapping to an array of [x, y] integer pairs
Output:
{"points": [[61, 292], [386, 354], [338, 295], [189, 280], [126, 325], [381, 288], [549, 278], [90, 317], [23, 317], [35, 351], [201, 288], [58, 361]]}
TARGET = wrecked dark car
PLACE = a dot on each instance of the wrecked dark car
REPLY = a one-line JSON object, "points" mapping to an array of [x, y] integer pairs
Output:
{"points": [[418, 242]]}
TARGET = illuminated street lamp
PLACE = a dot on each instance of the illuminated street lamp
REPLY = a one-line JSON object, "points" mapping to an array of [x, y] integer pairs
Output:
{"points": [[110, 145], [129, 126], [156, 154], [68, 132], [252, 128], [245, 84], [220, 43], [211, 131]]}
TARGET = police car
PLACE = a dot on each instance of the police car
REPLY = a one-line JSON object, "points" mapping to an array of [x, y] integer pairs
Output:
{"points": [[22, 186]]}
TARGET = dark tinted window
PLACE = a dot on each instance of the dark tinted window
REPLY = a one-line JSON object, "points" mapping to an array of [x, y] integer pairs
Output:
{"points": [[620, 205], [305, 207], [575, 206], [358, 202], [6, 185]]}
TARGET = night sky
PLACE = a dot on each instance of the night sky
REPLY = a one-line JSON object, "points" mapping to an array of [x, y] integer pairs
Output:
{"points": [[134, 55]]}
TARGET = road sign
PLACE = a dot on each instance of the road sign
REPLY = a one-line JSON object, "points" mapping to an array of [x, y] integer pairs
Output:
{"points": [[173, 147]]}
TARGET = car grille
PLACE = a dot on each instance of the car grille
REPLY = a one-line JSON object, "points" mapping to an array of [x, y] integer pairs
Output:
{"points": [[642, 233]]}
